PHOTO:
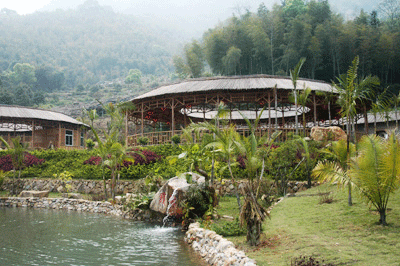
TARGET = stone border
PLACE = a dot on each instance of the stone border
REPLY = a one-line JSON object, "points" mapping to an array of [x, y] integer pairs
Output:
{"points": [[215, 249], [63, 204]]}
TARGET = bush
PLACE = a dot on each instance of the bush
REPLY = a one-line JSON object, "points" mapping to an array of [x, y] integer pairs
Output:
{"points": [[2, 176], [176, 139], [143, 141], [199, 199], [90, 144], [229, 228], [29, 160]]}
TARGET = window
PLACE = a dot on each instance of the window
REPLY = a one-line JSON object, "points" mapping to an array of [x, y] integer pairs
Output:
{"points": [[69, 136], [82, 140]]}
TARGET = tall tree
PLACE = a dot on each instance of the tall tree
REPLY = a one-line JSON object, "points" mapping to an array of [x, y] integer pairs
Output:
{"points": [[294, 75], [231, 60]]}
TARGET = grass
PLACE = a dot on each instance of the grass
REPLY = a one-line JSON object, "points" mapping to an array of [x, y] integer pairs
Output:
{"points": [[333, 232]]}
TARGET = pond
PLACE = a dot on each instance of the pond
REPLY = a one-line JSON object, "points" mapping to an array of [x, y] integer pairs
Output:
{"points": [[55, 237]]}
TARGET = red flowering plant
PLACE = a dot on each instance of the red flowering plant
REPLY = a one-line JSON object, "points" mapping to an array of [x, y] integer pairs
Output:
{"points": [[6, 163]]}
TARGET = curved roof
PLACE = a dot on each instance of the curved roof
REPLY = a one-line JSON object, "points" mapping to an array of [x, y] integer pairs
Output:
{"points": [[235, 83], [19, 112]]}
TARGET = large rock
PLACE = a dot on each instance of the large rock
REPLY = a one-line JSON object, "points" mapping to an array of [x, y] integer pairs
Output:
{"points": [[171, 193], [32, 193], [328, 133]]}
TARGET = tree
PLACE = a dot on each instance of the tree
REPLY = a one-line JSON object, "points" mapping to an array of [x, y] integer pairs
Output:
{"points": [[391, 10], [336, 167], [254, 150], [181, 68], [303, 100], [195, 59], [134, 76], [294, 75], [231, 60], [23, 73], [376, 171], [353, 91], [18, 150]]}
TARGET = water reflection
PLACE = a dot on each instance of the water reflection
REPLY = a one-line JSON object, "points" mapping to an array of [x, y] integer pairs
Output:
{"points": [[48, 237]]}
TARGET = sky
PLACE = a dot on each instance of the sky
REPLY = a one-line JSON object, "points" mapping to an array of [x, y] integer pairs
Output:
{"points": [[194, 16], [23, 6]]}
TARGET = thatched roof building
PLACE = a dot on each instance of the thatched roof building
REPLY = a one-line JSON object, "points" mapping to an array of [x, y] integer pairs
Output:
{"points": [[41, 128], [173, 106]]}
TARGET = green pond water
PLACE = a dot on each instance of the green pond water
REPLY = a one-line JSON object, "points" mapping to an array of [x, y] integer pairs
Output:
{"points": [[54, 237]]}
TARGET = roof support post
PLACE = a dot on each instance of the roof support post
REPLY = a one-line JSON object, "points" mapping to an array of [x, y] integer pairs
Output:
{"points": [[269, 114], [142, 121], [366, 119], [126, 128], [173, 117], [276, 106], [33, 134], [59, 135], [315, 108]]}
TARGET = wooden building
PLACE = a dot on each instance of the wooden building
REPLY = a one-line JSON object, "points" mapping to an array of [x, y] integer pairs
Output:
{"points": [[41, 128], [161, 113]]}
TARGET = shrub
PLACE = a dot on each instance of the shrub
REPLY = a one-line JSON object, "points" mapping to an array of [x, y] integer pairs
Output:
{"points": [[143, 141], [90, 144], [199, 199], [2, 176], [29, 160], [229, 228], [176, 139], [94, 160]]}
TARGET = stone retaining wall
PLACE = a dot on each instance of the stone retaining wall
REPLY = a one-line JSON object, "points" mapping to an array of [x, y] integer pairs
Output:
{"points": [[75, 185], [215, 249], [226, 187], [82, 205], [96, 186], [63, 204]]}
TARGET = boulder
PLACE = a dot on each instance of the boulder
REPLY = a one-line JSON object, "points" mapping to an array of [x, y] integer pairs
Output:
{"points": [[328, 133], [171, 193], [32, 193]]}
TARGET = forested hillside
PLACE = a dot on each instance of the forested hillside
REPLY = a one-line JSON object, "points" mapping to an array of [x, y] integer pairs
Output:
{"points": [[62, 50], [273, 41]]}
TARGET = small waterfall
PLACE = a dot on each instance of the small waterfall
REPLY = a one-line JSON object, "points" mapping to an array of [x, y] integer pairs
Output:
{"points": [[172, 203]]}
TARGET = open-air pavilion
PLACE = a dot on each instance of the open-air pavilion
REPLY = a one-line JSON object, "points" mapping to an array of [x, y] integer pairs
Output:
{"points": [[161, 113], [41, 128]]}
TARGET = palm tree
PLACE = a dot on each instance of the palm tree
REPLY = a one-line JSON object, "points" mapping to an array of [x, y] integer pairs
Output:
{"points": [[353, 91], [117, 153], [255, 150], [224, 144], [302, 100], [376, 171], [17, 156], [336, 167], [328, 98], [294, 75]]}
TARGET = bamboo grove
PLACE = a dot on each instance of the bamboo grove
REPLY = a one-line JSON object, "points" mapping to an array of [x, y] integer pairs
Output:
{"points": [[272, 41]]}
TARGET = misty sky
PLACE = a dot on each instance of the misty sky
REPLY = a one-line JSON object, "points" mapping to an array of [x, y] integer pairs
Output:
{"points": [[192, 16]]}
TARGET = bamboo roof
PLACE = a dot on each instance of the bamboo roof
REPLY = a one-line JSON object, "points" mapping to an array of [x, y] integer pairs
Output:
{"points": [[18, 113], [252, 82]]}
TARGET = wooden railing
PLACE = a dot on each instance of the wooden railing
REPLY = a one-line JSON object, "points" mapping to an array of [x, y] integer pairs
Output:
{"points": [[165, 137]]}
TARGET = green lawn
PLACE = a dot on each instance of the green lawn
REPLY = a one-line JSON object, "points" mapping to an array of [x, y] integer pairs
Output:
{"points": [[335, 232]]}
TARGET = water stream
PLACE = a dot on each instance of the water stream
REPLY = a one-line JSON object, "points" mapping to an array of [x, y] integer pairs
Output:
{"points": [[54, 237], [172, 203]]}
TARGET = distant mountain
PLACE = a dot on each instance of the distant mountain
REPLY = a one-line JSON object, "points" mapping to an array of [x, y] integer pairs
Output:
{"points": [[196, 16], [88, 44]]}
